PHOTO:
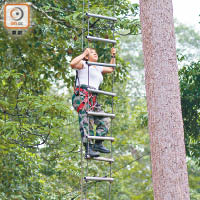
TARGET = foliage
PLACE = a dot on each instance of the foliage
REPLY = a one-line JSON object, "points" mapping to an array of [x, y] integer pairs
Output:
{"points": [[187, 43], [194, 180], [188, 57], [30, 65], [190, 98]]}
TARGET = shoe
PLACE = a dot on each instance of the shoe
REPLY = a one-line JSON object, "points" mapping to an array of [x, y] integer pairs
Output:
{"points": [[89, 151], [98, 146]]}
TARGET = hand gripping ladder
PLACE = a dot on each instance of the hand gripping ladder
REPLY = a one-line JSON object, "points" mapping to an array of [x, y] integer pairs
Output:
{"points": [[110, 160]]}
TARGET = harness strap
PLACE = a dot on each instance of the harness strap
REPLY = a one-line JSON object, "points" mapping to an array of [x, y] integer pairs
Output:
{"points": [[82, 104]]}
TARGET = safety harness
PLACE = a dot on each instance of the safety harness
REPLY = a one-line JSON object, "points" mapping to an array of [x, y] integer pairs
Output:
{"points": [[88, 97]]}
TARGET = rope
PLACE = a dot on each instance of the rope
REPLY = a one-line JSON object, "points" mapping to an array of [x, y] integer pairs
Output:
{"points": [[112, 105], [88, 102], [79, 87]]}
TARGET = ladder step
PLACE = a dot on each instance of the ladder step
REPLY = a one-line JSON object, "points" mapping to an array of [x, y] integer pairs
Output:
{"points": [[101, 92], [100, 138], [101, 16], [100, 39], [101, 114], [100, 159], [88, 178], [101, 64]]}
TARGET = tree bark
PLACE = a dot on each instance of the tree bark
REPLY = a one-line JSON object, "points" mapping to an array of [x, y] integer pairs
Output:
{"points": [[169, 169]]}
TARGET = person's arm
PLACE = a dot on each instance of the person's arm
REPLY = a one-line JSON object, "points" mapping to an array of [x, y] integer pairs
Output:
{"points": [[112, 61], [77, 63]]}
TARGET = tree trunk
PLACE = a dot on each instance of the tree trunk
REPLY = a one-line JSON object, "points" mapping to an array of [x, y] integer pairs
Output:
{"points": [[169, 169]]}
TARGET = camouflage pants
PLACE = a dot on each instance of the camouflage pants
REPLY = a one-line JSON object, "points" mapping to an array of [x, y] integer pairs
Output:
{"points": [[102, 123]]}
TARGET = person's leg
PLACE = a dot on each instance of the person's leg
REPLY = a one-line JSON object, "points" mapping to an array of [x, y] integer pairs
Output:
{"points": [[83, 123], [103, 125], [84, 128]]}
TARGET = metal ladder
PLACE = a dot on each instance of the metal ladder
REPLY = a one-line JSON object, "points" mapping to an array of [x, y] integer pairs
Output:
{"points": [[90, 113]]}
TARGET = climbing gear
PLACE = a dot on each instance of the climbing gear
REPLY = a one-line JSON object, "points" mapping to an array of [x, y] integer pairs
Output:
{"points": [[98, 146], [88, 98], [89, 151]]}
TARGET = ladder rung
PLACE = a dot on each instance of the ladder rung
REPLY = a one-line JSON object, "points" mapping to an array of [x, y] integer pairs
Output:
{"points": [[101, 64], [100, 138], [100, 159], [100, 114], [101, 16], [88, 178], [100, 39], [101, 92]]}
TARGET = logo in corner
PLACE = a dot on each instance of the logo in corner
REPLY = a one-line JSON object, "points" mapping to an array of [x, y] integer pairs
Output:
{"points": [[17, 16]]}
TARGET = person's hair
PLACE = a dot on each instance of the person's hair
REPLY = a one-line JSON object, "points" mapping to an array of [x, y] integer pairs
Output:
{"points": [[90, 49], [93, 49]]}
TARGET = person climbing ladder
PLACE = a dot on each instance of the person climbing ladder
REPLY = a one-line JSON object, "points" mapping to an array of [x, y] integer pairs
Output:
{"points": [[81, 95]]}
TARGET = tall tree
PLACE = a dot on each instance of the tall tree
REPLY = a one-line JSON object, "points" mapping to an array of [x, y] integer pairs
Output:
{"points": [[169, 170]]}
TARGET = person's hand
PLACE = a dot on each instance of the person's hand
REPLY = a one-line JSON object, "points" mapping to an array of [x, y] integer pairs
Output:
{"points": [[86, 52], [113, 51]]}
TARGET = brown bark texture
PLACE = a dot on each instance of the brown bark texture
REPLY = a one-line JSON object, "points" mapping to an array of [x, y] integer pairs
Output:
{"points": [[169, 169]]}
